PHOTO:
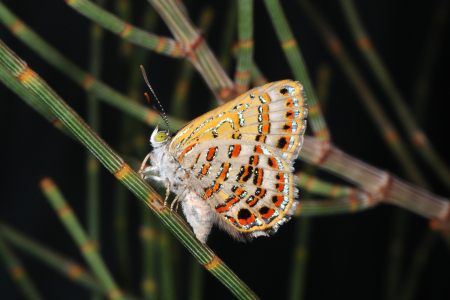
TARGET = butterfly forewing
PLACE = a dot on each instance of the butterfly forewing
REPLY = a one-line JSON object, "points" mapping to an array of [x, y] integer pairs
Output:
{"points": [[273, 114]]}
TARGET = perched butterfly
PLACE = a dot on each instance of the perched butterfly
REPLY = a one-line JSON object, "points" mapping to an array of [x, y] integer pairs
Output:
{"points": [[233, 166]]}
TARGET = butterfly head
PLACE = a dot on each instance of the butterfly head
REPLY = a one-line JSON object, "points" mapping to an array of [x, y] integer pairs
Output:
{"points": [[159, 138]]}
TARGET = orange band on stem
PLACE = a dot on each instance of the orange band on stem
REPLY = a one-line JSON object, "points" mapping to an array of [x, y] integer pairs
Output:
{"points": [[126, 30], [246, 44], [147, 233], [353, 203], [225, 93], [151, 117], [16, 26], [418, 139], [160, 45], [213, 263], [114, 293], [242, 75], [334, 190], [364, 43], [70, 2], [87, 82], [90, 245], [124, 171], [309, 183], [64, 211], [17, 272], [288, 44], [335, 45], [47, 185], [74, 271], [26, 75], [391, 136], [57, 123]]}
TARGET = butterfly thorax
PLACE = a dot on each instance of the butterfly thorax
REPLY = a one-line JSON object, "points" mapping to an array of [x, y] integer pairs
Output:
{"points": [[168, 167]]}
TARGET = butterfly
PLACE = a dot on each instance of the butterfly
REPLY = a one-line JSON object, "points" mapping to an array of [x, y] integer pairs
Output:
{"points": [[233, 166]]}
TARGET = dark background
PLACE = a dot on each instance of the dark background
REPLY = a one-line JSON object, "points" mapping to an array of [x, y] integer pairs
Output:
{"points": [[348, 253]]}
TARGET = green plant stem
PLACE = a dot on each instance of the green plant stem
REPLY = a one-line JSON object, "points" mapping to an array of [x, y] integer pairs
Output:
{"points": [[421, 91], [182, 88], [85, 80], [323, 81], [116, 165], [298, 68], [135, 35], [314, 185], [228, 35], [396, 254], [196, 286], [14, 85], [245, 51], [149, 237], [300, 257], [419, 259], [385, 127], [199, 53], [65, 266], [93, 119], [87, 247], [17, 272], [416, 136], [167, 266]]}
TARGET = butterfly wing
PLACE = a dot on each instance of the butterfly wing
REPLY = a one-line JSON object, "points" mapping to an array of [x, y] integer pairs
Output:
{"points": [[273, 114], [239, 157]]}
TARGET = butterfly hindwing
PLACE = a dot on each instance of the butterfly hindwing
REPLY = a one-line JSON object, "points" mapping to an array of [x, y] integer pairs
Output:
{"points": [[249, 185]]}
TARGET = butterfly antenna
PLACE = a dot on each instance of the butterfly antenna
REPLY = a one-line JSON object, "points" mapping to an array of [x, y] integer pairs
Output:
{"points": [[162, 114]]}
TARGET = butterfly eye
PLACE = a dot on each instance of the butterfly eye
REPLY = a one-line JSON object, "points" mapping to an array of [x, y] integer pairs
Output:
{"points": [[161, 136]]}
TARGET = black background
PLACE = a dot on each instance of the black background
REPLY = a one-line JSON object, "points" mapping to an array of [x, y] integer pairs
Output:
{"points": [[348, 253]]}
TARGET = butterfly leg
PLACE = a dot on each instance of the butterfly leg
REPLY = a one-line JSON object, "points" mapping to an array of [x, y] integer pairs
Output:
{"points": [[142, 171], [177, 200], [167, 192]]}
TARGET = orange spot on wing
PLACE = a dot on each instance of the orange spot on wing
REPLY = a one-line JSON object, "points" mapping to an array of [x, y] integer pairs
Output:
{"points": [[266, 97], [239, 192], [265, 128], [279, 186], [186, 151], [258, 149], [205, 169], [223, 174], [232, 201], [254, 160], [261, 138], [222, 209], [277, 200], [217, 186], [265, 108], [268, 214], [260, 175], [247, 221], [272, 163], [280, 177], [236, 151], [265, 117], [211, 153]]}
